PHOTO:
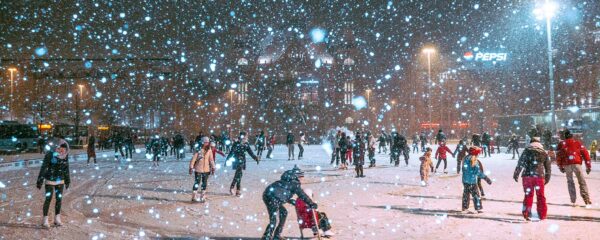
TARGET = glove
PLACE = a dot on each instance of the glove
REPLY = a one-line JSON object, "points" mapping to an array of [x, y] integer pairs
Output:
{"points": [[39, 185], [212, 171], [562, 170], [67, 185], [257, 161], [546, 179], [516, 178], [314, 206], [191, 171], [488, 180], [588, 170]]}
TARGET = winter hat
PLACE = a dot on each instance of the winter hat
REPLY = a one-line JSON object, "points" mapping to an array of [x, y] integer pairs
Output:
{"points": [[474, 151], [535, 139], [205, 139]]}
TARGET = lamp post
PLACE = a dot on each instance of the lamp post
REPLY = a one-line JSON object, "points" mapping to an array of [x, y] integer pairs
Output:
{"points": [[429, 51], [12, 71], [546, 11]]}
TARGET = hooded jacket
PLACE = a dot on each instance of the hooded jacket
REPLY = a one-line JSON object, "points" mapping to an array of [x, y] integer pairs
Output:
{"points": [[534, 162], [283, 190], [54, 170], [203, 161]]}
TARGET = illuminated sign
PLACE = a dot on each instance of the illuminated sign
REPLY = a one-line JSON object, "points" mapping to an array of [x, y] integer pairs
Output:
{"points": [[44, 126], [102, 128], [486, 57]]}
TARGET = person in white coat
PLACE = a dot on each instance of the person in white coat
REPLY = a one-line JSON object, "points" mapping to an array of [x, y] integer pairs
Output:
{"points": [[202, 165]]}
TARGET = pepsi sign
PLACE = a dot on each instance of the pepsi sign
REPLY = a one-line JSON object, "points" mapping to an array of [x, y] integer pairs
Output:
{"points": [[486, 57]]}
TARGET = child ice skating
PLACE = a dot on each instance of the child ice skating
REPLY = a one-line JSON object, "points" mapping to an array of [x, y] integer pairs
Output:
{"points": [[426, 166], [202, 165], [440, 155], [471, 172]]}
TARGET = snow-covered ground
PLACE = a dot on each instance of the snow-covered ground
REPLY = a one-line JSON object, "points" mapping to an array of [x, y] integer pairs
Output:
{"points": [[106, 202]]}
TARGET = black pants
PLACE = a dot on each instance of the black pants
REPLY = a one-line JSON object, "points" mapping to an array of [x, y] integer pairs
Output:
{"points": [[53, 190], [179, 153], [274, 208], [515, 149], [415, 148], [360, 172], [118, 149], [200, 178], [259, 151], [343, 155], [372, 156], [237, 178], [439, 161], [458, 165], [423, 146], [301, 151], [382, 145], [335, 157], [470, 190], [129, 152], [156, 157]]}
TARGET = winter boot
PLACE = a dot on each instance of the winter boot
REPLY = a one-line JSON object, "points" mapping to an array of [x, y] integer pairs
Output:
{"points": [[57, 221], [45, 222]]}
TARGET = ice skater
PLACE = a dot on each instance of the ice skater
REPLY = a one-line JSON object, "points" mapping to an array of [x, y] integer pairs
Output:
{"points": [[535, 170], [358, 149], [460, 152], [289, 141], [238, 158], [440, 155], [55, 176], [426, 166], [301, 143], [202, 166], [279, 193], [471, 173]]}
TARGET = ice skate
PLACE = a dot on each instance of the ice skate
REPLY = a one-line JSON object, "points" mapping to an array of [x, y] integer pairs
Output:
{"points": [[194, 196], [238, 193], [232, 191], [57, 220], [45, 223]]}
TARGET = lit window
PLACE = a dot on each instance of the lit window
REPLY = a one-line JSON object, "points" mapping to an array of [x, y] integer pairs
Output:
{"points": [[348, 92], [349, 61]]}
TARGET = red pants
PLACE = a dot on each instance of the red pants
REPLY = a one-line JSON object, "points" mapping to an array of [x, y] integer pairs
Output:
{"points": [[531, 185]]}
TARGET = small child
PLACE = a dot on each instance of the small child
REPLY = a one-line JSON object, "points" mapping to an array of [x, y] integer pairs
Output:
{"points": [[322, 219], [471, 172], [440, 155], [426, 166]]}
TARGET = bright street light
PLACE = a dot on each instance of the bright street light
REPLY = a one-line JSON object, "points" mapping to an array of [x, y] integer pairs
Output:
{"points": [[429, 51], [547, 11], [12, 73]]}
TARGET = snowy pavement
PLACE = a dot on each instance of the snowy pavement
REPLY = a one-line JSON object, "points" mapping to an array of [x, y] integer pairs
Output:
{"points": [[130, 200]]}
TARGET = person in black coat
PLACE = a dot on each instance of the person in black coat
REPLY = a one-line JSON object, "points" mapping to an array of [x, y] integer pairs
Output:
{"points": [[238, 157], [289, 140], [279, 193], [54, 175]]}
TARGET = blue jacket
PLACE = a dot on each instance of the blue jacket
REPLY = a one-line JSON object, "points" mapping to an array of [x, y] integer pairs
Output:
{"points": [[471, 173]]}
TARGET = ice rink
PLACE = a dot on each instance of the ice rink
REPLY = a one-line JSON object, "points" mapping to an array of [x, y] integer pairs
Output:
{"points": [[134, 201]]}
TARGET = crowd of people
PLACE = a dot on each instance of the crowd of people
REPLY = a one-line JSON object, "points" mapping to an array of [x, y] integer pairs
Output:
{"points": [[533, 166]]}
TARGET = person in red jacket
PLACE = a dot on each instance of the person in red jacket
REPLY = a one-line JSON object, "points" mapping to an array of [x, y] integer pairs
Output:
{"points": [[440, 155], [571, 154]]}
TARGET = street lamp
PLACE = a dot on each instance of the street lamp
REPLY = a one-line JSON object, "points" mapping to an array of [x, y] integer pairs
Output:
{"points": [[368, 97], [81, 91], [429, 51], [547, 11], [12, 71]]}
